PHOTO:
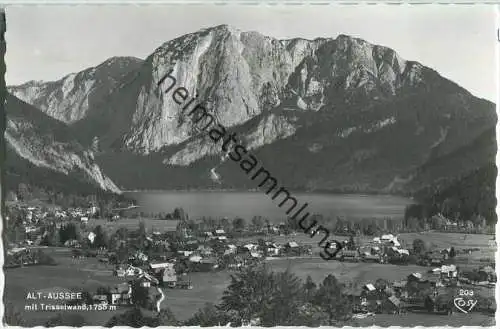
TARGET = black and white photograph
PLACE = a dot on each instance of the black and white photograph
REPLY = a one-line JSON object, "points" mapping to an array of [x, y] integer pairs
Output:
{"points": [[249, 165]]}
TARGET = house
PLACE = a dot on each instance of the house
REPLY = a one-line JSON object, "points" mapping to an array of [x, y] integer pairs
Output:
{"points": [[140, 256], [292, 247], [255, 254], [205, 250], [91, 236], [487, 273], [84, 219], [72, 243], [192, 245], [120, 272], [30, 229], [206, 265], [414, 277], [145, 280], [392, 305], [386, 237], [448, 271], [231, 249], [185, 253], [349, 255], [195, 258], [159, 267], [367, 257], [169, 275], [100, 299], [272, 249], [436, 258], [250, 247], [121, 294], [219, 232], [273, 229], [369, 287]]}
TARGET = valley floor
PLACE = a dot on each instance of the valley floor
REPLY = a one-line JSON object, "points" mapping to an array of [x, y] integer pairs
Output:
{"points": [[88, 274]]}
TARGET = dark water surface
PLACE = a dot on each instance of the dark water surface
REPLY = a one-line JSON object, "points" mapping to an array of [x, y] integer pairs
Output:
{"points": [[249, 204]]}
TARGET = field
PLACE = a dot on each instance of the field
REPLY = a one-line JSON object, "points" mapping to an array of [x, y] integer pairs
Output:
{"points": [[88, 274], [78, 275]]}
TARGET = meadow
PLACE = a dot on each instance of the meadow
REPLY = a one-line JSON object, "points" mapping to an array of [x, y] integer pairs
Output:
{"points": [[89, 274]]}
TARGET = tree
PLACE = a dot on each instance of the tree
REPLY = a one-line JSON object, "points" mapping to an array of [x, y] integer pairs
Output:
{"points": [[208, 316], [12, 316], [68, 232], [284, 302], [225, 224], [165, 318], [330, 298], [450, 207], [351, 245], [418, 246], [452, 252], [131, 318], [101, 238], [309, 288], [248, 293], [257, 223], [140, 295], [23, 192], [381, 286], [180, 214], [218, 246], [311, 315], [239, 224], [43, 258], [122, 233], [141, 235], [50, 236], [414, 211]]}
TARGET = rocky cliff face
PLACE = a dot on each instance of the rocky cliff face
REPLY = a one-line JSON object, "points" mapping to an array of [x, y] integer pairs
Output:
{"points": [[48, 144], [69, 98], [239, 75], [327, 113]]}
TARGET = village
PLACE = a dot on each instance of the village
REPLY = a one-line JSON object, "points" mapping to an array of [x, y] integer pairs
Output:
{"points": [[149, 263]]}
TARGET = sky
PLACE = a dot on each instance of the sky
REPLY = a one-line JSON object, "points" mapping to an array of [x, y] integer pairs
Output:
{"points": [[458, 41]]}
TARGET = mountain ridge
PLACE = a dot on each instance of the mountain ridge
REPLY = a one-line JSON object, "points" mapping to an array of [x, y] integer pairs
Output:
{"points": [[48, 144], [326, 114]]}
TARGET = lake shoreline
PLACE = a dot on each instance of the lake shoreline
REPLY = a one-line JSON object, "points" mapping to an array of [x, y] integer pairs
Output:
{"points": [[247, 204], [321, 192]]}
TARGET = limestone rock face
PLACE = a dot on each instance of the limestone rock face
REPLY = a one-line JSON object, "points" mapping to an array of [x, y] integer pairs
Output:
{"points": [[327, 112], [46, 143], [70, 98], [239, 75]]}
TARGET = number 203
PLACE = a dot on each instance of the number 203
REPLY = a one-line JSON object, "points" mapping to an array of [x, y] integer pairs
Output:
{"points": [[465, 292]]}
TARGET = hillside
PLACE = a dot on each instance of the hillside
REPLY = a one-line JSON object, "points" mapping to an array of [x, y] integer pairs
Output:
{"points": [[70, 98], [43, 152], [331, 114]]}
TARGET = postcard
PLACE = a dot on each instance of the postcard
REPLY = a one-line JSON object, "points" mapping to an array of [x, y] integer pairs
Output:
{"points": [[249, 165]]}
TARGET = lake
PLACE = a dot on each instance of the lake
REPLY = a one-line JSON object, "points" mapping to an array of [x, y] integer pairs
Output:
{"points": [[249, 204]]}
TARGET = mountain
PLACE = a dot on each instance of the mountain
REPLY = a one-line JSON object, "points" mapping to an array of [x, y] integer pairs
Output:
{"points": [[336, 114], [42, 152], [70, 98]]}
